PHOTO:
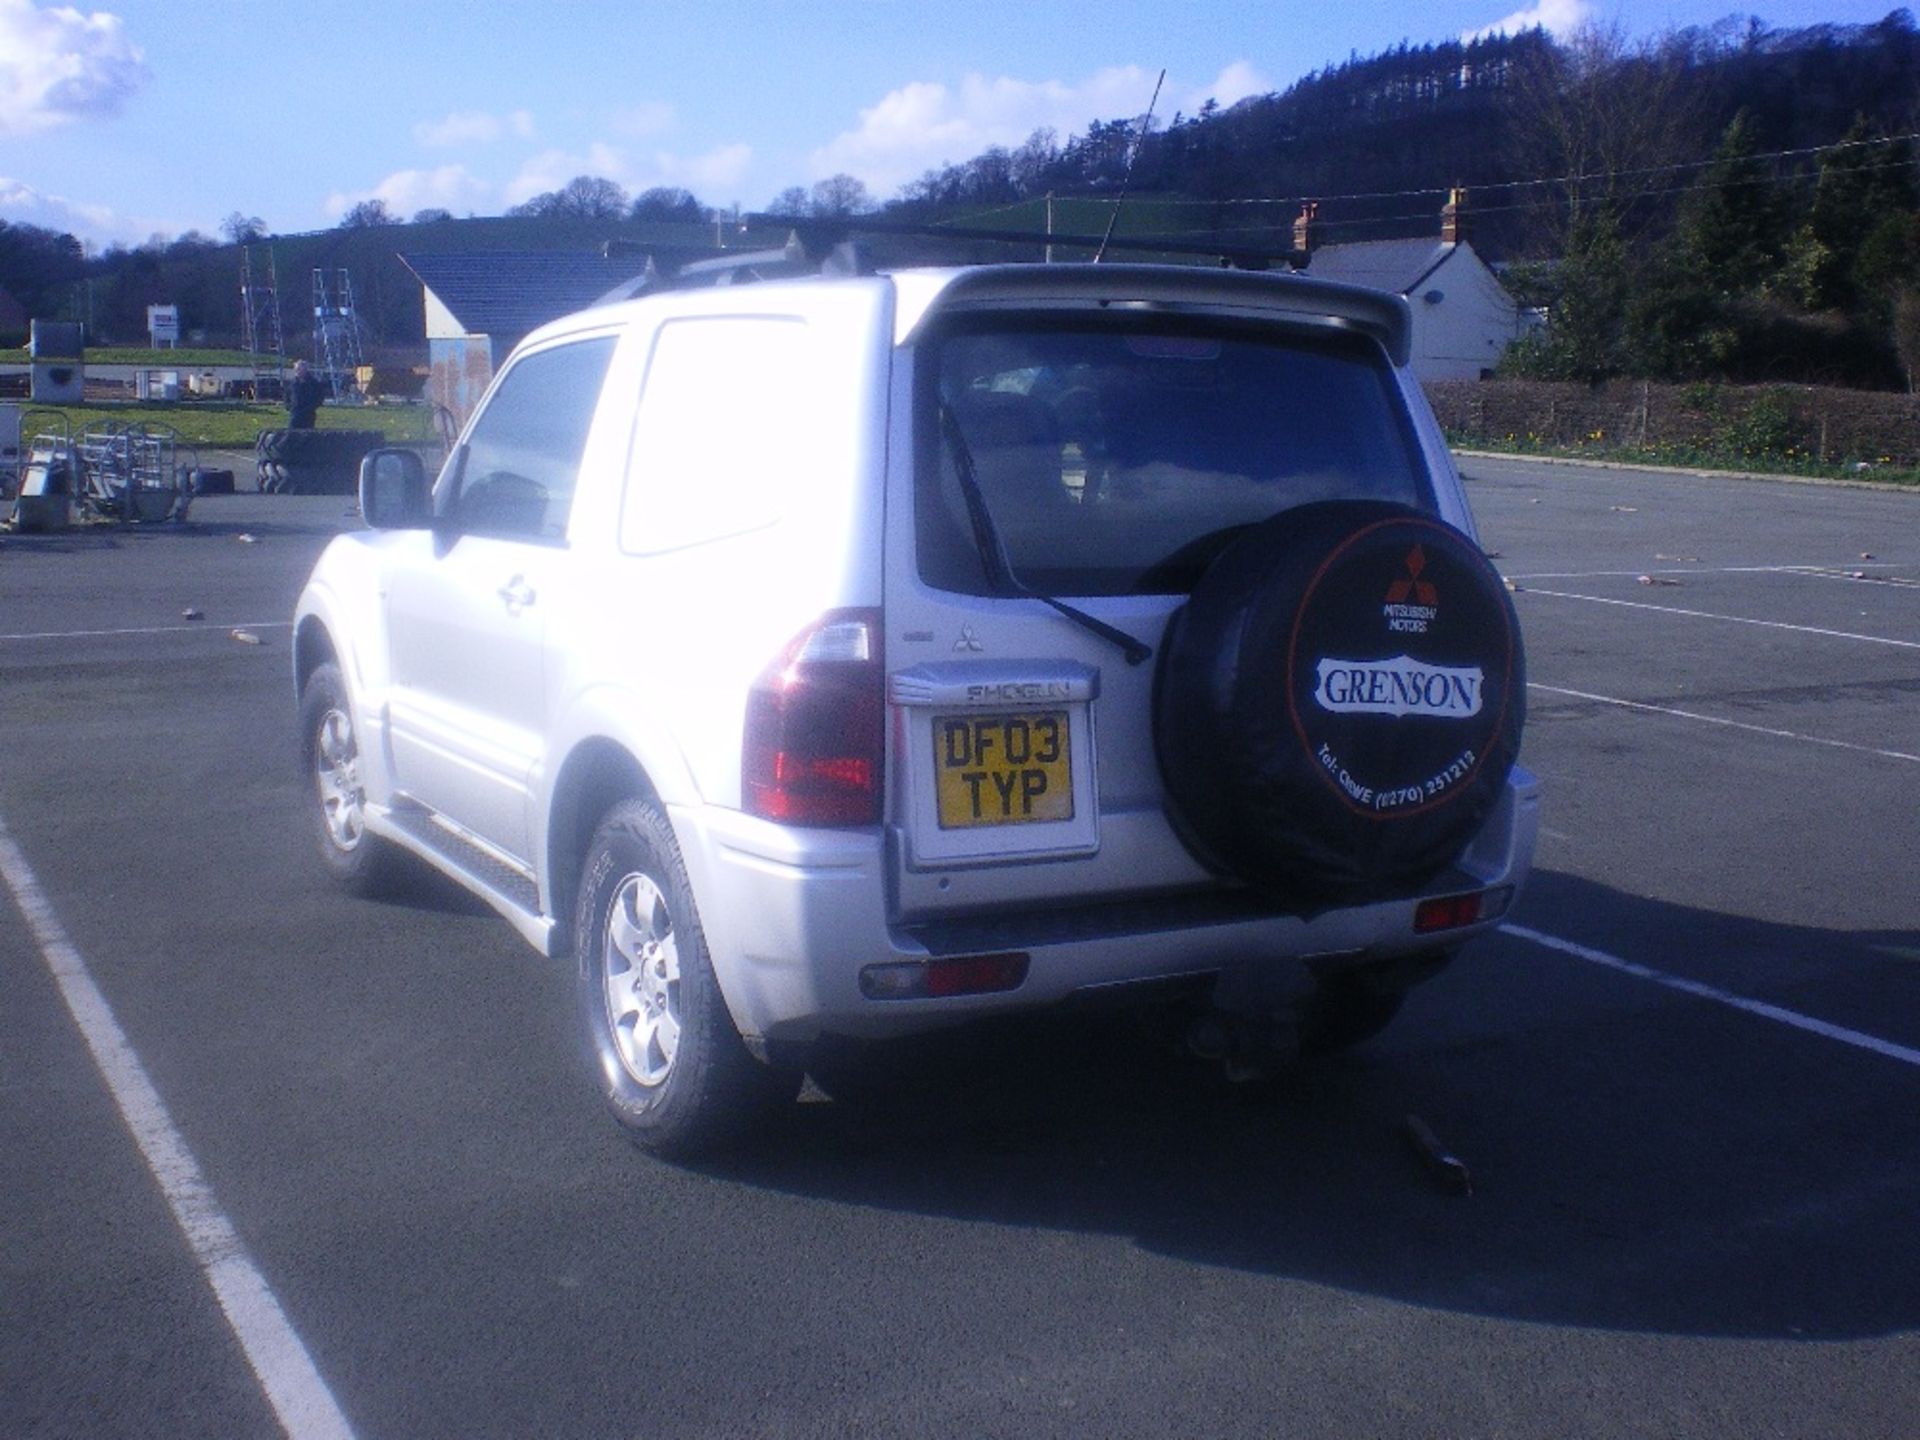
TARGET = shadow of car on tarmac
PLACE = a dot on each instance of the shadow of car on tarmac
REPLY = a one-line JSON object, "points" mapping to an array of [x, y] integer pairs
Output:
{"points": [[1643, 1161]]}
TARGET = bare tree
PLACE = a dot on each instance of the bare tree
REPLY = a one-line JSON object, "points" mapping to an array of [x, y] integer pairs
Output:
{"points": [[790, 201], [585, 197], [366, 213], [668, 202], [593, 197], [1602, 120], [1031, 161], [840, 195], [1906, 334], [243, 229]]}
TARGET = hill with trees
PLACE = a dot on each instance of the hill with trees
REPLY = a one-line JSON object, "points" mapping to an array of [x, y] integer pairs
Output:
{"points": [[1732, 201]]}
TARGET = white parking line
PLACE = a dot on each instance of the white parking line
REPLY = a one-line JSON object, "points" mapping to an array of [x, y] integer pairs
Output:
{"points": [[1722, 997], [203, 626], [1718, 720], [280, 1362], [1858, 574], [1854, 577], [1731, 619]]}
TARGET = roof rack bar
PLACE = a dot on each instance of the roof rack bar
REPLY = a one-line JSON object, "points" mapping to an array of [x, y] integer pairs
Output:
{"points": [[822, 234], [830, 247]]}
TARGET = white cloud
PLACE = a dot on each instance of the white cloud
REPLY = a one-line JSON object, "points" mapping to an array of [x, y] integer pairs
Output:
{"points": [[655, 117], [23, 204], [551, 169], [472, 127], [925, 124], [1557, 17], [450, 187], [710, 176], [59, 66], [705, 174], [462, 127], [1231, 86]]}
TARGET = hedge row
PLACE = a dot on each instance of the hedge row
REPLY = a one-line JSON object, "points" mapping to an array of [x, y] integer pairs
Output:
{"points": [[1791, 424]]}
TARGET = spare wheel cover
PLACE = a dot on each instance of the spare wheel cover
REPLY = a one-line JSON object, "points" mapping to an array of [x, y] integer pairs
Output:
{"points": [[1339, 704]]}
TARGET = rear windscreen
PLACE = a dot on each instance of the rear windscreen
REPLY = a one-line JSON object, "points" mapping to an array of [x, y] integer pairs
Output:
{"points": [[1118, 458]]}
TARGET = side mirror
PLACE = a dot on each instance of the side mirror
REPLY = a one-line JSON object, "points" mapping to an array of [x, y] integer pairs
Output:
{"points": [[393, 491]]}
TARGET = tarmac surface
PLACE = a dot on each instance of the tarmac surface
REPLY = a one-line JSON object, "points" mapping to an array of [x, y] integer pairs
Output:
{"points": [[365, 1189]]}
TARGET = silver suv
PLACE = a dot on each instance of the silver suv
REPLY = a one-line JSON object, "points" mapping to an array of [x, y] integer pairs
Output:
{"points": [[848, 657]]}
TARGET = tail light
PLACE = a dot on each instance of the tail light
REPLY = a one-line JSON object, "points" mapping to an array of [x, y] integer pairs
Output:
{"points": [[945, 978], [816, 726], [1456, 912]]}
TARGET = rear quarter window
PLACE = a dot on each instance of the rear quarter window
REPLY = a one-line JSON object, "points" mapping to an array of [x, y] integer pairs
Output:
{"points": [[1118, 458], [724, 405]]}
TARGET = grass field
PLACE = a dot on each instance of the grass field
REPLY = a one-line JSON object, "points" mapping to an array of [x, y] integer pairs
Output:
{"points": [[171, 359], [225, 425]]}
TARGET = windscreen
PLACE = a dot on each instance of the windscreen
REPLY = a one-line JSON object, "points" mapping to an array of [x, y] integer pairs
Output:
{"points": [[1118, 458]]}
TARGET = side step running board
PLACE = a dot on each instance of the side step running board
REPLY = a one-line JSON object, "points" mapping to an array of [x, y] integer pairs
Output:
{"points": [[504, 886]]}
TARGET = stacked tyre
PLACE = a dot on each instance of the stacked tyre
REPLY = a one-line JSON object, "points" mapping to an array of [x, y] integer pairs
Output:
{"points": [[312, 462]]}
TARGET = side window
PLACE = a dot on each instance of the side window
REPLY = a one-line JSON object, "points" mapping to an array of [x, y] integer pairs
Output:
{"points": [[522, 457], [721, 427]]}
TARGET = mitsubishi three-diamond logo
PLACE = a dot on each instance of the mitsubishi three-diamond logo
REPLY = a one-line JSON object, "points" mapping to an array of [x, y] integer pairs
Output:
{"points": [[1412, 603]]}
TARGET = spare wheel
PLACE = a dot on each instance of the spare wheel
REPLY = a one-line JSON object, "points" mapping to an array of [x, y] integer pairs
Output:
{"points": [[1339, 703]]}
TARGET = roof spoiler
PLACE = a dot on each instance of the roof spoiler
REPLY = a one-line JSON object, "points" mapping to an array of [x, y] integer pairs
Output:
{"points": [[1388, 318]]}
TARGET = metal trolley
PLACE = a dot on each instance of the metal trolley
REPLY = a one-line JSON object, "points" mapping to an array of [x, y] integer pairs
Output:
{"points": [[133, 472], [126, 472]]}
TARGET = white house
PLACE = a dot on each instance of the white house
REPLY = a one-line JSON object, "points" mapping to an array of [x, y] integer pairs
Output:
{"points": [[479, 306], [1463, 318]]}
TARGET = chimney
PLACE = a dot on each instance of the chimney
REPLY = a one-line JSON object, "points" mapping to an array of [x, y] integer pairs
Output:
{"points": [[1452, 223], [1306, 227]]}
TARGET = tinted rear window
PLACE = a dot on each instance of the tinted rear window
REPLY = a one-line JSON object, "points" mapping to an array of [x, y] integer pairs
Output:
{"points": [[1117, 458]]}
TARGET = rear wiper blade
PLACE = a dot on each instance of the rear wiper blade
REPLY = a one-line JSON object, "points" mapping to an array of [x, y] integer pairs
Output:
{"points": [[993, 549]]}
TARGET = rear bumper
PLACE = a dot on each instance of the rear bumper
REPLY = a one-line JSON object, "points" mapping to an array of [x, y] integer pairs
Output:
{"points": [[793, 916]]}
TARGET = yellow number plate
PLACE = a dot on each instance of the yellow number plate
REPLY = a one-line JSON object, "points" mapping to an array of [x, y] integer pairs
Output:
{"points": [[1002, 769]]}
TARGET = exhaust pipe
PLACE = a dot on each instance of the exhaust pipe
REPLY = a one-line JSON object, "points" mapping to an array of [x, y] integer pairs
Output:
{"points": [[1247, 1046]]}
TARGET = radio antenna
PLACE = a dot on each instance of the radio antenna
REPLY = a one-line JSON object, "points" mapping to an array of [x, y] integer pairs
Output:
{"points": [[1146, 124]]}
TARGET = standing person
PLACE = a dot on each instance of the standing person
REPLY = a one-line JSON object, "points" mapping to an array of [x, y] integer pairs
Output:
{"points": [[305, 391]]}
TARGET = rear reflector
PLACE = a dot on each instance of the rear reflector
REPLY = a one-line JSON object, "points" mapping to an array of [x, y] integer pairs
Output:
{"points": [[940, 979], [816, 726], [1456, 912]]}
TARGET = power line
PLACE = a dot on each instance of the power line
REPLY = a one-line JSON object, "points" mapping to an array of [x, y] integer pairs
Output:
{"points": [[1674, 168], [1625, 197]]}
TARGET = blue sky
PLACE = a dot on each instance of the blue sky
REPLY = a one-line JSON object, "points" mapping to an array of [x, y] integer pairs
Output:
{"points": [[159, 116]]}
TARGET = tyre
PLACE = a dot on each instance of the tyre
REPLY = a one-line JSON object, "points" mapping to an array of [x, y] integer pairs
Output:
{"points": [[662, 1043], [1340, 701], [313, 462], [362, 862]]}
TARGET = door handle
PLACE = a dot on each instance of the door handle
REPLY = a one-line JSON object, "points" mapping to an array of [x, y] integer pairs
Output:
{"points": [[516, 594]]}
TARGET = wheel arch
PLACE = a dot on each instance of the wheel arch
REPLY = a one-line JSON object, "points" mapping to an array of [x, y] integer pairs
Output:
{"points": [[597, 774], [312, 647]]}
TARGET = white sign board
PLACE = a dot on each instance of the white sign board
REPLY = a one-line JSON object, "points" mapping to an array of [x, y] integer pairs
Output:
{"points": [[163, 325]]}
